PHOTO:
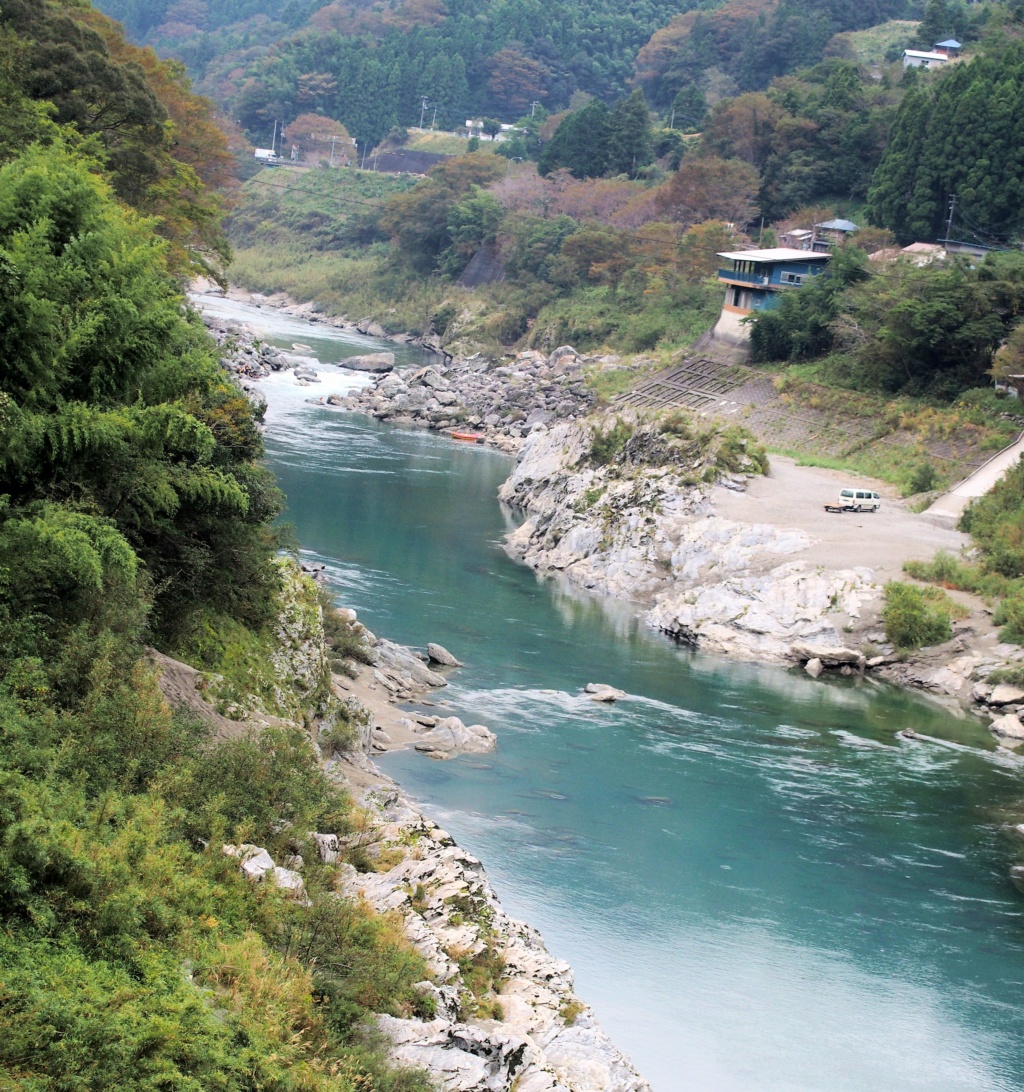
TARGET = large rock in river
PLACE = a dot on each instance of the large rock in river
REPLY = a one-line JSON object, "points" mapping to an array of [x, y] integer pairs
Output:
{"points": [[450, 737], [370, 362]]}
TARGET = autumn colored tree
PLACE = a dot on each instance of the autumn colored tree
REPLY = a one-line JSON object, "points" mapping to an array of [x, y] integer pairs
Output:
{"points": [[516, 80], [320, 137], [710, 188], [419, 220], [699, 249], [163, 149], [743, 128]]}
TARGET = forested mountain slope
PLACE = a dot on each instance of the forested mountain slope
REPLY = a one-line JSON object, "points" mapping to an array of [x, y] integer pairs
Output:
{"points": [[373, 66]]}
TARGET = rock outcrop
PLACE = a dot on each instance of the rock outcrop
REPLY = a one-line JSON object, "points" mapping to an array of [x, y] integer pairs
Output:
{"points": [[528, 1032], [499, 400], [650, 534]]}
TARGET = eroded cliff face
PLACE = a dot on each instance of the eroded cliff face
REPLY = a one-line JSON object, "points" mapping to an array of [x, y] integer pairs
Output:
{"points": [[641, 526]]}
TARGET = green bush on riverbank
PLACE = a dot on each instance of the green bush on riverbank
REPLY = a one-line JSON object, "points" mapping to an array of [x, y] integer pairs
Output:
{"points": [[915, 617]]}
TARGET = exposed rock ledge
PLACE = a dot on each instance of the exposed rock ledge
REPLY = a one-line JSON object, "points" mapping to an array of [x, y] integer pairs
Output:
{"points": [[546, 1040], [641, 533]]}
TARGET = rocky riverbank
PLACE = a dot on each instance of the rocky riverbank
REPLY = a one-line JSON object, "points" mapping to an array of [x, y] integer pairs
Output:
{"points": [[652, 530], [744, 587], [504, 1015], [499, 402]]}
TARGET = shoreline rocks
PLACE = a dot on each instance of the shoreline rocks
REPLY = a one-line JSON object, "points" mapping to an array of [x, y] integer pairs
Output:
{"points": [[643, 533], [500, 401], [528, 1032]]}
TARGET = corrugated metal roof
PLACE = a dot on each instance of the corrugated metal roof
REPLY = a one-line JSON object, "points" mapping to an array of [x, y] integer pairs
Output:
{"points": [[922, 55], [774, 254], [838, 225]]}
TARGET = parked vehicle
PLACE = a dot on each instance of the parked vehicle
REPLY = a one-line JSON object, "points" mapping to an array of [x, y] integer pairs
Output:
{"points": [[855, 500]]}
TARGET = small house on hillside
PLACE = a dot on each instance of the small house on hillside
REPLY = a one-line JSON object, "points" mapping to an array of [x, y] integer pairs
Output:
{"points": [[936, 57], [754, 282], [797, 239], [832, 233]]}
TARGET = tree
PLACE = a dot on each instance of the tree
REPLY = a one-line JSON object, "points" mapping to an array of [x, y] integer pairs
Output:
{"points": [[710, 188], [472, 222], [113, 403], [515, 80], [689, 108], [629, 135], [418, 220], [320, 137], [580, 143], [744, 128], [491, 127], [700, 247]]}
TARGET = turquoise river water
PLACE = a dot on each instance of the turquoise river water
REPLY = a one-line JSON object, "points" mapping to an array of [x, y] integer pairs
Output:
{"points": [[758, 885]]}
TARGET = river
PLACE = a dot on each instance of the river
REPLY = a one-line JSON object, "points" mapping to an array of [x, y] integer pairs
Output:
{"points": [[760, 888]]}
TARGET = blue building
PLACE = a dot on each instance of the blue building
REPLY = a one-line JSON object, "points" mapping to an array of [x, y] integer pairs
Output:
{"points": [[754, 283]]}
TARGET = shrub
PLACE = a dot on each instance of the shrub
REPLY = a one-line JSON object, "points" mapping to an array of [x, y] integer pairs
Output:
{"points": [[608, 444], [923, 478], [915, 616], [1010, 616]]}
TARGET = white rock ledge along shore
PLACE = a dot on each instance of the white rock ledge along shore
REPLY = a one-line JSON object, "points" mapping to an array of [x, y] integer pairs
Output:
{"points": [[639, 533], [531, 1033]]}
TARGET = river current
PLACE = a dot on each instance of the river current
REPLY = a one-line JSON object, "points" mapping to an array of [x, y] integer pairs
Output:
{"points": [[760, 888]]}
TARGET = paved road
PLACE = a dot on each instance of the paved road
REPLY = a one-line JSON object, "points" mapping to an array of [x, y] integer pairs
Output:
{"points": [[951, 504]]}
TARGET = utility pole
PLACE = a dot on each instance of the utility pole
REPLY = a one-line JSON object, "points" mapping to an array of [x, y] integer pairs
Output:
{"points": [[423, 110], [433, 120], [533, 107], [949, 218], [273, 139], [334, 140]]}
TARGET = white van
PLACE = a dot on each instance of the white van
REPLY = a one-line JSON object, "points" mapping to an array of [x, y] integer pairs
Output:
{"points": [[859, 500]]}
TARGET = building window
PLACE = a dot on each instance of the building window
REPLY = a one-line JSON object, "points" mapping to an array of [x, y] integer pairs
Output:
{"points": [[792, 278]]}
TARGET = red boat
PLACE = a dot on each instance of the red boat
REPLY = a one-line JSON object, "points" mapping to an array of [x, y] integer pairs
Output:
{"points": [[467, 437]]}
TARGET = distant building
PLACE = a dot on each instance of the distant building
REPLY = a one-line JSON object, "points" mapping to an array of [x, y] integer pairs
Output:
{"points": [[936, 57], [832, 233], [754, 282], [797, 239]]}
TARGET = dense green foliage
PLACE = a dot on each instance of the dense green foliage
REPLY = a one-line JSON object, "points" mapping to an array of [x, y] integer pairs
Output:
{"points": [[963, 135], [745, 44], [996, 571], [156, 140], [133, 510], [914, 616], [371, 67], [113, 404], [918, 331], [595, 141]]}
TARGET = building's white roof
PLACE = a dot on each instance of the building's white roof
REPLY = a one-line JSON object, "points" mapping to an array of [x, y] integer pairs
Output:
{"points": [[774, 254], [921, 55], [949, 43]]}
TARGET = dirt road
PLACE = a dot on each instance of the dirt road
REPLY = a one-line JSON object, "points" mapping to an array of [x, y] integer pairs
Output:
{"points": [[795, 496]]}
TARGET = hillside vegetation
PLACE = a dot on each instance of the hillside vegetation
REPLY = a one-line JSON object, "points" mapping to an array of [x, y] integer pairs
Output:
{"points": [[134, 511]]}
